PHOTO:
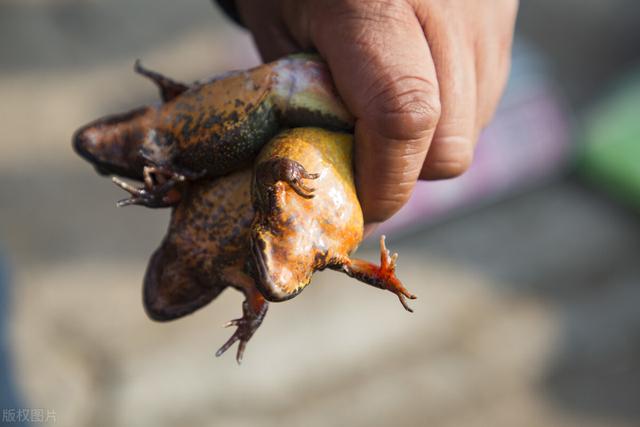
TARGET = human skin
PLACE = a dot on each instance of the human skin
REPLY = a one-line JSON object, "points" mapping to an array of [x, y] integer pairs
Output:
{"points": [[422, 78]]}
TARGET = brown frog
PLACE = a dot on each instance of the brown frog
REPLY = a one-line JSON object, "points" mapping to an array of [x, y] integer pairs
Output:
{"points": [[265, 233], [211, 127], [207, 249]]}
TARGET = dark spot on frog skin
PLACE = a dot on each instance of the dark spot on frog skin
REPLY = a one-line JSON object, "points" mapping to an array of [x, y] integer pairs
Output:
{"points": [[186, 127], [213, 119], [296, 117]]}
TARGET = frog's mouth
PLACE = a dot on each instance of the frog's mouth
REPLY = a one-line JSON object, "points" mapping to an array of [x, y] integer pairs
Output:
{"points": [[111, 144], [264, 282]]}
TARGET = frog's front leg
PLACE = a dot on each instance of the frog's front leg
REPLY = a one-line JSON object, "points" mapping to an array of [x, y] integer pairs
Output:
{"points": [[157, 192], [382, 277], [254, 308], [281, 169]]}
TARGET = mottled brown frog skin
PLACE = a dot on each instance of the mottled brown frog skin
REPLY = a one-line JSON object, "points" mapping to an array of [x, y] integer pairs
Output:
{"points": [[206, 250], [297, 229], [210, 128], [265, 234]]}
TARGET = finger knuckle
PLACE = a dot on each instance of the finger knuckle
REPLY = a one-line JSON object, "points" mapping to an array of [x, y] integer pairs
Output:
{"points": [[409, 108], [371, 10], [454, 169], [386, 206], [361, 22], [453, 160]]}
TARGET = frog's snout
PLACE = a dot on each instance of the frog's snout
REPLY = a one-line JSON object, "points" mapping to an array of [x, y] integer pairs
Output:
{"points": [[112, 144], [104, 154], [263, 277], [84, 143]]}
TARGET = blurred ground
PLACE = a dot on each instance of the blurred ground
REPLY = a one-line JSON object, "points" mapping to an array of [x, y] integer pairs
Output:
{"points": [[528, 311]]}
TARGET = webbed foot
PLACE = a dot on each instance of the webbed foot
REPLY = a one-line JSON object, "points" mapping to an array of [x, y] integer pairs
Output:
{"points": [[387, 273], [252, 315], [383, 276]]}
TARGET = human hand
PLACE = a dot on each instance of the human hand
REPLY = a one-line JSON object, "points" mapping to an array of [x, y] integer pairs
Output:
{"points": [[421, 77]]}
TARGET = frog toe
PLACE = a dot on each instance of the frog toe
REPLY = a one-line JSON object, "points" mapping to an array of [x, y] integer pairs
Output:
{"points": [[301, 189], [289, 171], [161, 196], [381, 276], [246, 326], [294, 173]]}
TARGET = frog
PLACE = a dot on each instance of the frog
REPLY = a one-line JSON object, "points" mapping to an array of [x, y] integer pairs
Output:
{"points": [[300, 229], [209, 128], [205, 251], [265, 231]]}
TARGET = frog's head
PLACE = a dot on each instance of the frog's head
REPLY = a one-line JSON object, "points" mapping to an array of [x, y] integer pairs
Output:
{"points": [[284, 256], [172, 289], [284, 235], [296, 236], [112, 143]]}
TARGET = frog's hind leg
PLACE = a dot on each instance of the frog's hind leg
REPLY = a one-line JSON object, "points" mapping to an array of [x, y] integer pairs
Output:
{"points": [[382, 276], [254, 308], [169, 88]]}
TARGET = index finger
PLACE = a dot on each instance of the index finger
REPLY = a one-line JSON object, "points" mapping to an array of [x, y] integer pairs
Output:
{"points": [[382, 67]]}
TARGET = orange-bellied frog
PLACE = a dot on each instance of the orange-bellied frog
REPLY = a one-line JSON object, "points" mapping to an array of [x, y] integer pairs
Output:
{"points": [[211, 127], [299, 229], [265, 233]]}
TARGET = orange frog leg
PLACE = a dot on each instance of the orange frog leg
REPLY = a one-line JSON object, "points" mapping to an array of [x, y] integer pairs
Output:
{"points": [[382, 277], [254, 308]]}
